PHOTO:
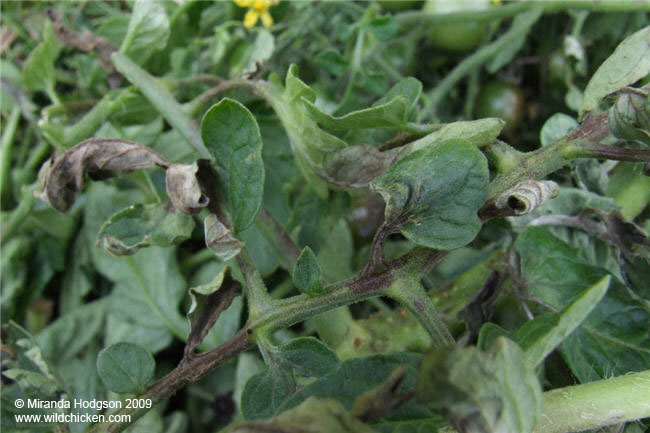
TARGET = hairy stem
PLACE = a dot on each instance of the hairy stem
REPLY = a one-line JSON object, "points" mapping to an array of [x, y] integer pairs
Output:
{"points": [[481, 56], [596, 404], [160, 97]]}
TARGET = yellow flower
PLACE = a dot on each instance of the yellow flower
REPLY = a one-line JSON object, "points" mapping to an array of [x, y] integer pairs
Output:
{"points": [[257, 9]]}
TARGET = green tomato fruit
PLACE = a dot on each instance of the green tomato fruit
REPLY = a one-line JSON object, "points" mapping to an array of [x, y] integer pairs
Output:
{"points": [[461, 36], [398, 5], [502, 100]]}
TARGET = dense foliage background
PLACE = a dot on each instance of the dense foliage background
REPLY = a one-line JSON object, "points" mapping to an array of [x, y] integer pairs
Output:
{"points": [[566, 284]]}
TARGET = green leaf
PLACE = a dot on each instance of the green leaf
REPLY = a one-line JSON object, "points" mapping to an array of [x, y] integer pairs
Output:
{"points": [[477, 132], [233, 138], [148, 31], [148, 285], [332, 61], [541, 336], [71, 333], [125, 367], [307, 356], [142, 225], [313, 415], [628, 63], [496, 392], [384, 28], [556, 127], [38, 69], [614, 338], [433, 194], [267, 390], [392, 114], [307, 274], [309, 143]]}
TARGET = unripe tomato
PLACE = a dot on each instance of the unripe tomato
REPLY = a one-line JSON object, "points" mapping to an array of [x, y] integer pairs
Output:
{"points": [[503, 100], [398, 5], [460, 36]]}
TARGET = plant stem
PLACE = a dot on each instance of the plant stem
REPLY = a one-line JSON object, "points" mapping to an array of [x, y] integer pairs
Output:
{"points": [[410, 293], [19, 214], [485, 53], [412, 18], [257, 295], [541, 162], [194, 107], [595, 404], [163, 101], [91, 121], [7, 146]]}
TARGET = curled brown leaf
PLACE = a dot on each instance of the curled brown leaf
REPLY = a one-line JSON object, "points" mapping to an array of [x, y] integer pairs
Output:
{"points": [[63, 177]]}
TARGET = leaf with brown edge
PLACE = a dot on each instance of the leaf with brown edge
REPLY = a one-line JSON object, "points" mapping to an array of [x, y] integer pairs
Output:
{"points": [[98, 157]]}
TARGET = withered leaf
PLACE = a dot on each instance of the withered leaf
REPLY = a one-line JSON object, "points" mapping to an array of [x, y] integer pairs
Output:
{"points": [[185, 187], [100, 158], [221, 240], [208, 302], [357, 166]]}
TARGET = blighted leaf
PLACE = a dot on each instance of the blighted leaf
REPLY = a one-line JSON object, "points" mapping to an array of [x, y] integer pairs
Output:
{"points": [[27, 364], [627, 64], [556, 127], [186, 188], [614, 338], [357, 166], [526, 196], [33, 384], [540, 336], [208, 302], [219, 239], [307, 274], [148, 30], [125, 367], [142, 225], [433, 194], [232, 136], [99, 158], [495, 392], [314, 416]]}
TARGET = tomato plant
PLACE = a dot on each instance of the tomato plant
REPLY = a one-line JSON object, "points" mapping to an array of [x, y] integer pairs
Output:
{"points": [[258, 216]]}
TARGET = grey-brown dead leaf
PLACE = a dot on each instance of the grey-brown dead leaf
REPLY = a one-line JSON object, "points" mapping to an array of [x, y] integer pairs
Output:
{"points": [[220, 240], [184, 186], [98, 157]]}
